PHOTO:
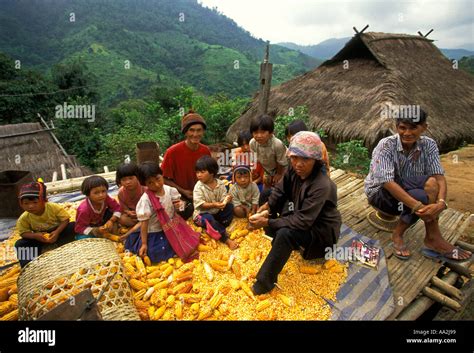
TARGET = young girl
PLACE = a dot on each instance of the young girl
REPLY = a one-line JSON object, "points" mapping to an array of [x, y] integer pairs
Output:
{"points": [[244, 192], [127, 178], [98, 209], [213, 208], [152, 240], [244, 156]]}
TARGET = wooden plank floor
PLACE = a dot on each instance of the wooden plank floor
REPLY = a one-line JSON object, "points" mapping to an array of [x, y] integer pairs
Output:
{"points": [[406, 277]]}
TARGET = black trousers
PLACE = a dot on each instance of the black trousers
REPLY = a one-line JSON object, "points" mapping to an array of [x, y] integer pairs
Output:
{"points": [[285, 240], [28, 249]]}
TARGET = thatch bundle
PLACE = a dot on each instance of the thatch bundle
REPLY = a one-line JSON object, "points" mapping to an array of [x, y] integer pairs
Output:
{"points": [[384, 69], [29, 147]]}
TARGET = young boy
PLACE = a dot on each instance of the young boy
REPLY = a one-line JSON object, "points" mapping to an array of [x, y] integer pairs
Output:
{"points": [[244, 156], [406, 178], [42, 223], [244, 192], [213, 208], [271, 152]]}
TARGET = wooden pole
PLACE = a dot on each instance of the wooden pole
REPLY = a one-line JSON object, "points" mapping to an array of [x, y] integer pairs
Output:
{"points": [[459, 269], [447, 288], [441, 298], [265, 82], [465, 246]]}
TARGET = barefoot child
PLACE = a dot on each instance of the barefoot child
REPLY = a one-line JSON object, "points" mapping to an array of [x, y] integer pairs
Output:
{"points": [[127, 178], [97, 210], [42, 223], [163, 233], [244, 192], [213, 208]]}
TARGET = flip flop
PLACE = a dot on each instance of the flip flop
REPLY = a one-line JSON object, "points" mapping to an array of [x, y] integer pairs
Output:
{"points": [[397, 252], [444, 257]]}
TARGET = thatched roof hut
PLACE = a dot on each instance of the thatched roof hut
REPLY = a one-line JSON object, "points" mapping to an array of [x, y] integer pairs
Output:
{"points": [[384, 69], [30, 147]]}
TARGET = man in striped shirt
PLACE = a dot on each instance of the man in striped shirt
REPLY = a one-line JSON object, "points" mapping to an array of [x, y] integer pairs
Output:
{"points": [[406, 178]]}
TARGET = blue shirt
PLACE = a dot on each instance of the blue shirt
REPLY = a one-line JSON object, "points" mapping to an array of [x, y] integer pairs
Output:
{"points": [[389, 163]]}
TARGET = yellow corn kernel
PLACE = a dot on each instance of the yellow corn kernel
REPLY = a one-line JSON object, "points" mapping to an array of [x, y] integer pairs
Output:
{"points": [[203, 248], [179, 263], [139, 295], [170, 301], [234, 284], [141, 305], [236, 270], [151, 269], [247, 290], [154, 281], [171, 261], [195, 308], [218, 267], [140, 265], [11, 316], [161, 285], [166, 316], [204, 314], [167, 272], [154, 274], [216, 300], [8, 282], [151, 311], [6, 307]]}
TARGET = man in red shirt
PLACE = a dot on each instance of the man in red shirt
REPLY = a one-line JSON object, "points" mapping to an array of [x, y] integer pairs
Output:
{"points": [[180, 159]]}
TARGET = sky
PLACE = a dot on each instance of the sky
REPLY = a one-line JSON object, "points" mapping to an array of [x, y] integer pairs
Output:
{"points": [[308, 22]]}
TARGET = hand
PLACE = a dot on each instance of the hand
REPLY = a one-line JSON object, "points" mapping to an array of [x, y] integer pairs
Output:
{"points": [[124, 237], [263, 208], [430, 212], [108, 226], [50, 239], [97, 232], [220, 205], [259, 222], [131, 214], [143, 250]]}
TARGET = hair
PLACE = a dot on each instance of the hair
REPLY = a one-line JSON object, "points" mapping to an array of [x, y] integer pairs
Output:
{"points": [[207, 163], [242, 172], [410, 118], [244, 137], [295, 127], [29, 198], [148, 170], [262, 122], [91, 182], [126, 170]]}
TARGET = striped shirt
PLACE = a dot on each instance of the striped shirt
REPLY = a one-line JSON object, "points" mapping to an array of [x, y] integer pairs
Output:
{"points": [[389, 163]]}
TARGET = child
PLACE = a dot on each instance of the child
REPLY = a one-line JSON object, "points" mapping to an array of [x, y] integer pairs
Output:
{"points": [[42, 222], [244, 192], [244, 156], [271, 152], [212, 204], [98, 209], [127, 177], [158, 199], [299, 125]]}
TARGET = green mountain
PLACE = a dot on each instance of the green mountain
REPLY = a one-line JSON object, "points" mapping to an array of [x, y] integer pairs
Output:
{"points": [[132, 45]]}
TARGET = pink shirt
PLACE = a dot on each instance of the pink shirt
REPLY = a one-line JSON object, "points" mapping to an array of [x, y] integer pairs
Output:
{"points": [[87, 217]]}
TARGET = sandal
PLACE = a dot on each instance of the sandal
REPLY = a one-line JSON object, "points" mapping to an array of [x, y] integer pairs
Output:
{"points": [[450, 256], [397, 251]]}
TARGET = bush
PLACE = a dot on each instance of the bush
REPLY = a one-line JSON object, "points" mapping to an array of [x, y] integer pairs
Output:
{"points": [[352, 156]]}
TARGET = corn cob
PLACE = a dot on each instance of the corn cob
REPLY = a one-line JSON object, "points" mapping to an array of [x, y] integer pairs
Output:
{"points": [[11, 273], [216, 300], [286, 300], [263, 304], [4, 294], [236, 270], [247, 290], [178, 309], [195, 308], [161, 285], [11, 316], [185, 276], [190, 298], [156, 298], [150, 269], [159, 313], [154, 274], [244, 257], [143, 314], [147, 260], [154, 281], [139, 295], [129, 267], [230, 261], [234, 284], [140, 266], [6, 307], [137, 285], [168, 271], [309, 270], [330, 263], [203, 248], [141, 305], [204, 314], [218, 267], [8, 282], [179, 263], [148, 293], [164, 266], [186, 289], [170, 301], [208, 271], [151, 311], [166, 316]]}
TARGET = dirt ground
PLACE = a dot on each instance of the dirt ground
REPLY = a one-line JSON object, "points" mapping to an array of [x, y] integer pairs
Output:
{"points": [[459, 168]]}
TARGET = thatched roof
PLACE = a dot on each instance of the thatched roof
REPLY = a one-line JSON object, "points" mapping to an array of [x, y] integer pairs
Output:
{"points": [[30, 147], [393, 69]]}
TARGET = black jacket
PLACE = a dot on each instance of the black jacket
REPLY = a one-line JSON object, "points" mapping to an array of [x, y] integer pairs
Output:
{"points": [[314, 202]]}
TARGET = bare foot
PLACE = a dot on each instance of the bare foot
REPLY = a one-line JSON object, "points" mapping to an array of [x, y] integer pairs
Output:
{"points": [[232, 244], [440, 245], [399, 245]]}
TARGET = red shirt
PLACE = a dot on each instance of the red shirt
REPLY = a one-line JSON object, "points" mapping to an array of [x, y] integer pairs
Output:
{"points": [[179, 162]]}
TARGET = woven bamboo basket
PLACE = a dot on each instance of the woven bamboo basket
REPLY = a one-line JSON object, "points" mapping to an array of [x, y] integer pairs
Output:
{"points": [[57, 275]]}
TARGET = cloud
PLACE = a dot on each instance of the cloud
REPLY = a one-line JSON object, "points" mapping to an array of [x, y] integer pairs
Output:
{"points": [[312, 21]]}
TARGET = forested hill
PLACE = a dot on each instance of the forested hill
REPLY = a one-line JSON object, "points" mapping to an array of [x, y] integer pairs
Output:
{"points": [[167, 43]]}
